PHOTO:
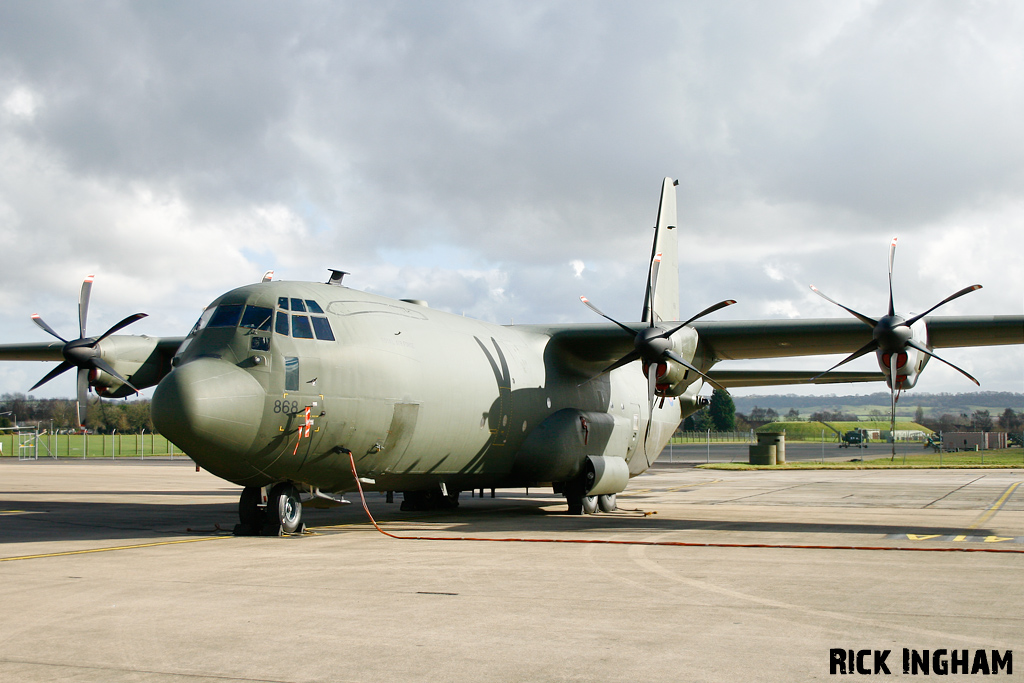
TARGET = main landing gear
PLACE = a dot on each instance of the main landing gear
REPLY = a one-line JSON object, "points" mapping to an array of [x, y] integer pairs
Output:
{"points": [[580, 504], [431, 499], [281, 515]]}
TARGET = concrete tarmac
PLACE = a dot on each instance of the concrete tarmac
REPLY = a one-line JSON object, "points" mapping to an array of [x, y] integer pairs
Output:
{"points": [[122, 572]]}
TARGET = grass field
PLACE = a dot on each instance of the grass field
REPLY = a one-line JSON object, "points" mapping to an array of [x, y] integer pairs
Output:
{"points": [[1007, 458], [91, 446]]}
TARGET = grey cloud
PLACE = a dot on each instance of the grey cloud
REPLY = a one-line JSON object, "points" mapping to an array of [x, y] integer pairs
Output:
{"points": [[524, 134]]}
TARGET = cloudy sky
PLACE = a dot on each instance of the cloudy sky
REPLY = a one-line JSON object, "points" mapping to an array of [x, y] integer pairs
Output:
{"points": [[501, 159]]}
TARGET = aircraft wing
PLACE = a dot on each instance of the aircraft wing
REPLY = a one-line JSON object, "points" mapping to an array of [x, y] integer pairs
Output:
{"points": [[730, 340], [34, 351], [586, 348], [141, 359], [52, 351]]}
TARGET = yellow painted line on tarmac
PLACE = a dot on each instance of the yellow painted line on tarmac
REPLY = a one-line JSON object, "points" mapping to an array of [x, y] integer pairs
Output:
{"points": [[108, 549], [988, 514], [968, 538]]}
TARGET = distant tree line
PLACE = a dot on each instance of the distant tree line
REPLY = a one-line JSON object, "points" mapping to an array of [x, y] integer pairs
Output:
{"points": [[103, 417], [954, 404]]}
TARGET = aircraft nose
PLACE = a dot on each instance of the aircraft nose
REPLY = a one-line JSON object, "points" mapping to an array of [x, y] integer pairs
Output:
{"points": [[212, 410]]}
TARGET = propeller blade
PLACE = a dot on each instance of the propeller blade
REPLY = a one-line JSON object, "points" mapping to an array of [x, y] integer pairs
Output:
{"points": [[83, 304], [923, 349], [652, 286], [652, 386], [863, 318], [867, 348], [707, 311], [42, 323], [121, 325], [892, 396], [82, 396], [101, 364], [965, 290], [59, 370], [892, 257], [625, 360], [595, 309]]}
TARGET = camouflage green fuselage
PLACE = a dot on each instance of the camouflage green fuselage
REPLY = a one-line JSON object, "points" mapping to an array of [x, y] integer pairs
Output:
{"points": [[419, 396]]}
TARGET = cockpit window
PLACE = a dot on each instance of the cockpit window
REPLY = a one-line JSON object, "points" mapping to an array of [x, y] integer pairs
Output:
{"points": [[203, 321], [256, 318], [226, 316], [301, 328], [322, 329]]}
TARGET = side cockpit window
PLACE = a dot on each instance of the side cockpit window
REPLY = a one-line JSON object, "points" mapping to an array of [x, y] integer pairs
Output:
{"points": [[302, 326], [203, 321], [291, 374], [322, 328]]}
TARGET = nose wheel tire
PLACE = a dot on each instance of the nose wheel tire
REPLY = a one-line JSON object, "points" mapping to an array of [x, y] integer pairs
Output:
{"points": [[284, 508], [250, 515], [589, 504]]}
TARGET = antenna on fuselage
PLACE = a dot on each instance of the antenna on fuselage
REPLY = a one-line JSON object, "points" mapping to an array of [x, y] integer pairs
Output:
{"points": [[337, 276]]}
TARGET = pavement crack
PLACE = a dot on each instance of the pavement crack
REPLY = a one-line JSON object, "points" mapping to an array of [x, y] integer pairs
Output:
{"points": [[950, 493]]}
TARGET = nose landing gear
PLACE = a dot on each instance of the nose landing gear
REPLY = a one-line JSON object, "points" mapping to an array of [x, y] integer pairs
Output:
{"points": [[281, 515]]}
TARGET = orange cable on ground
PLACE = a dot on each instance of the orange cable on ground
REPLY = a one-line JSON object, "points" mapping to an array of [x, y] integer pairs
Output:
{"points": [[683, 544]]}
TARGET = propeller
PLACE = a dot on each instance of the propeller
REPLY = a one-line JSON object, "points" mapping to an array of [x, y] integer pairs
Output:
{"points": [[892, 336], [83, 353], [653, 345]]}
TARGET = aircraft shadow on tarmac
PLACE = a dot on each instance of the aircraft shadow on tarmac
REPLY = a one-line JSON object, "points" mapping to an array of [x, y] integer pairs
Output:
{"points": [[521, 517], [47, 521], [55, 521]]}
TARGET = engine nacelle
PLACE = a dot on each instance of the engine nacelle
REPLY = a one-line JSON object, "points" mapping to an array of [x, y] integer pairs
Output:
{"points": [[136, 358], [909, 362], [674, 379], [605, 474]]}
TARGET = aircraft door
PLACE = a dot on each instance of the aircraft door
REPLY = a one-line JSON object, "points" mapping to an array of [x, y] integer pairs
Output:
{"points": [[403, 425]]}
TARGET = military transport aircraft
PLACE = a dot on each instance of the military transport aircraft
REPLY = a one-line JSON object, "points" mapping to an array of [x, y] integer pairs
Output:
{"points": [[280, 386]]}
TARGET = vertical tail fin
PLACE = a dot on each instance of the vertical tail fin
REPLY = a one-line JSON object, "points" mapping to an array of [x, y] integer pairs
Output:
{"points": [[663, 269]]}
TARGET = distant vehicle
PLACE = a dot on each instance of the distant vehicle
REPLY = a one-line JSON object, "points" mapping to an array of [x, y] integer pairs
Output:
{"points": [[854, 437]]}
